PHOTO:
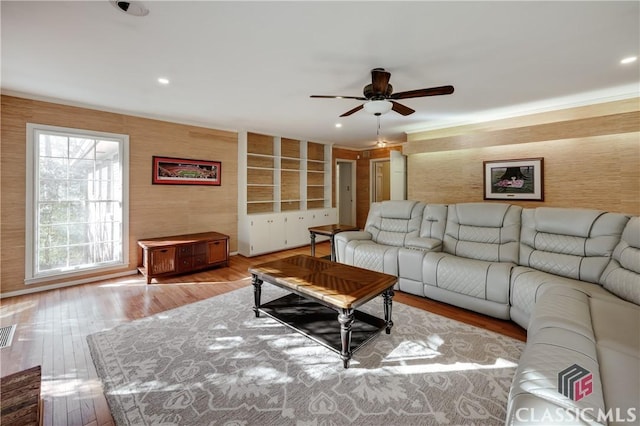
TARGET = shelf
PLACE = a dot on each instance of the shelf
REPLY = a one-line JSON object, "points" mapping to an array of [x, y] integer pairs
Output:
{"points": [[289, 148], [260, 193], [253, 208], [261, 161], [315, 204], [315, 151], [253, 154], [285, 174], [260, 144]]}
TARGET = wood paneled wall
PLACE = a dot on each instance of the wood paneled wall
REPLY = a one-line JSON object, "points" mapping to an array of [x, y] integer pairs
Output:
{"points": [[591, 157], [154, 210]]}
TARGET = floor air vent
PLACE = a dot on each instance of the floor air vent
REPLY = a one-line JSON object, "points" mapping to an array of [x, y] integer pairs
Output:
{"points": [[6, 335]]}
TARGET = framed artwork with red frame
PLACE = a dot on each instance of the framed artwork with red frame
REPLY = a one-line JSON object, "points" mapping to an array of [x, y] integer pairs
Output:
{"points": [[184, 171]]}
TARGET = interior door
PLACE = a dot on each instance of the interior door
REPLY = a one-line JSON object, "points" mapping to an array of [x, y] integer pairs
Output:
{"points": [[380, 180], [345, 178], [398, 176]]}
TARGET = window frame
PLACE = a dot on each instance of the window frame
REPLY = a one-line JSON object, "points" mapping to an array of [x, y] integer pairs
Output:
{"points": [[32, 179]]}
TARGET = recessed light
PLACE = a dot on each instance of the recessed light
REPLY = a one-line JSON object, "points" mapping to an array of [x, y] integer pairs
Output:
{"points": [[163, 80], [629, 60], [338, 125]]}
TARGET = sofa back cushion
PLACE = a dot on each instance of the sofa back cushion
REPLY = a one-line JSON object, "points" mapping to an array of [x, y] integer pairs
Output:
{"points": [[391, 222], [483, 231], [622, 274], [573, 243]]}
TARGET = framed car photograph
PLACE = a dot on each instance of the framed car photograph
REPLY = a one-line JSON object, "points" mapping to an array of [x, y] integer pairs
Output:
{"points": [[183, 171]]}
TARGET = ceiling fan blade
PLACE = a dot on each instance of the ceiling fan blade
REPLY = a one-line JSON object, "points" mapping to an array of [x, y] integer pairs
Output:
{"points": [[380, 80], [360, 98], [351, 111], [401, 109], [433, 91]]}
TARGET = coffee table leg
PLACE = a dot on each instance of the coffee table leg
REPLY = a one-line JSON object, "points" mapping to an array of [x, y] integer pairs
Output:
{"points": [[388, 298], [345, 318], [257, 290]]}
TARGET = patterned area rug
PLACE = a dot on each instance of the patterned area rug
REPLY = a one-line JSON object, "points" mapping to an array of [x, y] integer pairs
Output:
{"points": [[214, 363]]}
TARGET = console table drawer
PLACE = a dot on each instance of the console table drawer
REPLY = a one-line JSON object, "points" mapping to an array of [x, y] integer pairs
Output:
{"points": [[185, 250], [162, 260], [218, 251]]}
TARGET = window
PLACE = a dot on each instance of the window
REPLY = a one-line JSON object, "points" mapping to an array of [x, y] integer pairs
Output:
{"points": [[77, 202]]}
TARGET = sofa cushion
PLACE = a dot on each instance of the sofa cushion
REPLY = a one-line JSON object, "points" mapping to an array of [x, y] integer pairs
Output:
{"points": [[564, 307], [622, 274], [573, 243], [476, 278], [528, 284], [535, 392], [370, 255], [615, 326], [391, 222], [561, 335], [483, 231]]}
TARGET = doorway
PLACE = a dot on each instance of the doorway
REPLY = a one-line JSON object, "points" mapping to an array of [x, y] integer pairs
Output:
{"points": [[345, 191], [380, 180]]}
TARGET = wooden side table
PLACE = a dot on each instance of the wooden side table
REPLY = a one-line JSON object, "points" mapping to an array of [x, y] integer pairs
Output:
{"points": [[329, 231]]}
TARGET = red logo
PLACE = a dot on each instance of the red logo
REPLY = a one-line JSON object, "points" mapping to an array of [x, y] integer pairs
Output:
{"points": [[575, 382]]}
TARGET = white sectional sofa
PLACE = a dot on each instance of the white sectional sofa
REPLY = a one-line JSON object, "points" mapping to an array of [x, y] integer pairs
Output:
{"points": [[570, 277]]}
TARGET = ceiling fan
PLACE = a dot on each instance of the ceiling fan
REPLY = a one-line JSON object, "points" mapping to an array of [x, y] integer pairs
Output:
{"points": [[381, 99]]}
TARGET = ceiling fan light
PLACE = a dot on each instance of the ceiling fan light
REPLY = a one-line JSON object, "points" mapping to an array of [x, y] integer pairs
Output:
{"points": [[378, 107]]}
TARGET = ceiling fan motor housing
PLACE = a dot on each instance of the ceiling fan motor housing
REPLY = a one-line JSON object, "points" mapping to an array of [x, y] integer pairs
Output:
{"points": [[370, 94]]}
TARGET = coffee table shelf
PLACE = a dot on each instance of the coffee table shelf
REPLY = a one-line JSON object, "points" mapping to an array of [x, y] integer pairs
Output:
{"points": [[319, 323]]}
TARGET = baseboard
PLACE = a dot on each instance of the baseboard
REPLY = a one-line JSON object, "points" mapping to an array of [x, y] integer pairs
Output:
{"points": [[66, 284]]}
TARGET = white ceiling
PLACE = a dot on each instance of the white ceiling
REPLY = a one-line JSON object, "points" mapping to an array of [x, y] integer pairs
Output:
{"points": [[253, 65]]}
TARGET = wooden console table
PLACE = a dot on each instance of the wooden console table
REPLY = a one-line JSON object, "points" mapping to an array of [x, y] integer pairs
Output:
{"points": [[180, 254]]}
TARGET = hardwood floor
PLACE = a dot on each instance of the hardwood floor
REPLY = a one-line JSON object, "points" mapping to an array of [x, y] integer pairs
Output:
{"points": [[52, 327]]}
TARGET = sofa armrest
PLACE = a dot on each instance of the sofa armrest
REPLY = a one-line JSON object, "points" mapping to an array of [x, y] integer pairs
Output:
{"points": [[423, 243], [341, 240]]}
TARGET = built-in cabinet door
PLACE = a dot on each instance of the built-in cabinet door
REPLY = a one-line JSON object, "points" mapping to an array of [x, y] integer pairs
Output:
{"points": [[297, 228], [322, 217], [266, 233]]}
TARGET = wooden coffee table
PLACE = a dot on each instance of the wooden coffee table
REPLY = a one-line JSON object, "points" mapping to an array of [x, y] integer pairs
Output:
{"points": [[318, 289]]}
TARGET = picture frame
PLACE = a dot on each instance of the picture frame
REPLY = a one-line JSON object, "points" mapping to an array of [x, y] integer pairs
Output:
{"points": [[519, 179], [185, 171]]}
